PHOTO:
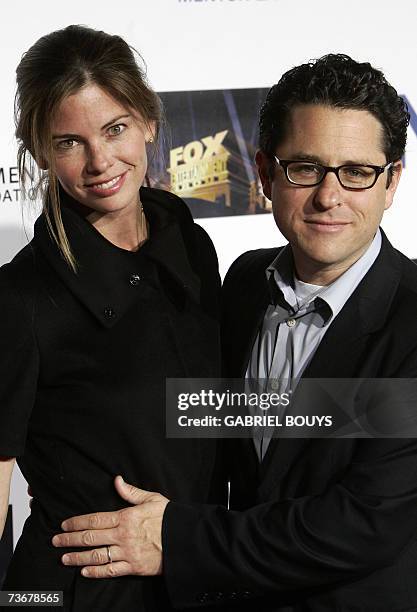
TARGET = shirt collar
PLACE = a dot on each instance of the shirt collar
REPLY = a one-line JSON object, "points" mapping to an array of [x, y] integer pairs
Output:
{"points": [[280, 280], [338, 293]]}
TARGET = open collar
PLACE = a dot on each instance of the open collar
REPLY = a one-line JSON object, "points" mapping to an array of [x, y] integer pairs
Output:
{"points": [[280, 274]]}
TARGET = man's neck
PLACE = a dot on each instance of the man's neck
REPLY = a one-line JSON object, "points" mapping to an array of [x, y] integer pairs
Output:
{"points": [[318, 273]]}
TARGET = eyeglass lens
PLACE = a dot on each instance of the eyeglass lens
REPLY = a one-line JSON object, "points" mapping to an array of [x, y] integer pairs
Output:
{"points": [[358, 177]]}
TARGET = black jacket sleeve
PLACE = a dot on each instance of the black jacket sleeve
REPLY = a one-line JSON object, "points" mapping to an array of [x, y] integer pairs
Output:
{"points": [[361, 523], [19, 364]]}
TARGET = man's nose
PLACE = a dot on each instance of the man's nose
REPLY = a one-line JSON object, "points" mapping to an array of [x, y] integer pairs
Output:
{"points": [[329, 193], [99, 159]]}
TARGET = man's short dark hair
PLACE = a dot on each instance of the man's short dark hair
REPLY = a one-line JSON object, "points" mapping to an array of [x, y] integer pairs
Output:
{"points": [[338, 81]]}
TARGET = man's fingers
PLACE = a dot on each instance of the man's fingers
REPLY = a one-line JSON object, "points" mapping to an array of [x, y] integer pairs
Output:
{"points": [[98, 556], [97, 520], [111, 570], [129, 493], [89, 537]]}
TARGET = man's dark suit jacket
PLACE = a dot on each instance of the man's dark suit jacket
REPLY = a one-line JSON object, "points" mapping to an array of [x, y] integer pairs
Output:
{"points": [[329, 524]]}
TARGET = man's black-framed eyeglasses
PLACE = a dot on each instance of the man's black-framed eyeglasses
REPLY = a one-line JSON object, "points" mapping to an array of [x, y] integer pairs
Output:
{"points": [[351, 176]]}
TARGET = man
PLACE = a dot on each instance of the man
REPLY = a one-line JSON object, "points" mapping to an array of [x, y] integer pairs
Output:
{"points": [[318, 524]]}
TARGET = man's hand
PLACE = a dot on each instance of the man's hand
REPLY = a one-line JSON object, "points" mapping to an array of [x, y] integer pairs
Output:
{"points": [[126, 542]]}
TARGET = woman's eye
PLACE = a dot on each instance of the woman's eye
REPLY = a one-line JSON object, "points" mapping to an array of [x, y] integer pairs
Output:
{"points": [[67, 144], [115, 130]]}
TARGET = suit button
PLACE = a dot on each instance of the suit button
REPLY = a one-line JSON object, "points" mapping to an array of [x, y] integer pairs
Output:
{"points": [[203, 598], [134, 279], [109, 312]]}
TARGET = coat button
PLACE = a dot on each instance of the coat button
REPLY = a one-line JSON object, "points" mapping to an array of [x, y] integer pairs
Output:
{"points": [[109, 312], [134, 279]]}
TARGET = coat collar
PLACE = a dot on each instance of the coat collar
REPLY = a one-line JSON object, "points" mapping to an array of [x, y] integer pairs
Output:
{"points": [[106, 281]]}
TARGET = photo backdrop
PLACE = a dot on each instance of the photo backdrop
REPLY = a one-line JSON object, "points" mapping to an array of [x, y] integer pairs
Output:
{"points": [[212, 62]]}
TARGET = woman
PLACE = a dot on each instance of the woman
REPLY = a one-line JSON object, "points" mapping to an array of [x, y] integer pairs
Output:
{"points": [[116, 292]]}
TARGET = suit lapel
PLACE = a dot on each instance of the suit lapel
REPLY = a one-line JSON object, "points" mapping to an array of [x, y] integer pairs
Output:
{"points": [[342, 352], [254, 320], [245, 297]]}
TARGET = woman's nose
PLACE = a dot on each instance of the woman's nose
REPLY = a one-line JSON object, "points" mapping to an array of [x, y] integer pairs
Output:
{"points": [[99, 159]]}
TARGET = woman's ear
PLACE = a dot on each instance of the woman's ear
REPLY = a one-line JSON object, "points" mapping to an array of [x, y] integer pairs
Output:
{"points": [[150, 130], [40, 160], [42, 163]]}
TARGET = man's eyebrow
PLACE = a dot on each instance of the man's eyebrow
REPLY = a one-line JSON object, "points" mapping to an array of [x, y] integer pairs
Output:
{"points": [[318, 160], [108, 124], [306, 157]]}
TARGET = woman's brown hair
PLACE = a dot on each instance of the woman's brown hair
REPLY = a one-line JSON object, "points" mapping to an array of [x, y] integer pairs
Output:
{"points": [[56, 66]]}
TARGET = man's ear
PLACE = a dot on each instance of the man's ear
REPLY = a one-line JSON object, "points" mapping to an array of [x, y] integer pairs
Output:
{"points": [[393, 183], [263, 164]]}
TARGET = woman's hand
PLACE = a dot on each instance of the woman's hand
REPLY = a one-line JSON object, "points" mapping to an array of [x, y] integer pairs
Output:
{"points": [[125, 542]]}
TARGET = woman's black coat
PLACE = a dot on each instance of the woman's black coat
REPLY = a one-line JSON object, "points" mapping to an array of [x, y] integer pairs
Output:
{"points": [[84, 358]]}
